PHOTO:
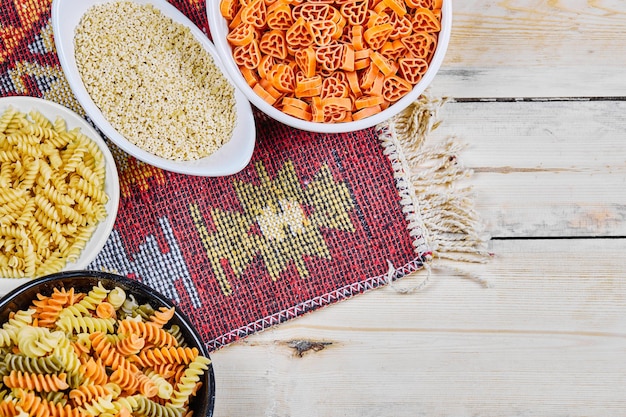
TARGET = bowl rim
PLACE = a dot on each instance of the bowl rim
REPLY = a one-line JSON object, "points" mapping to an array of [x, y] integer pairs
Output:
{"points": [[216, 22], [229, 159], [112, 184], [9, 298]]}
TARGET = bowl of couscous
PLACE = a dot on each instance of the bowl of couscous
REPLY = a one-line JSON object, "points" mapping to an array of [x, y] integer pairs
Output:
{"points": [[153, 83], [331, 66]]}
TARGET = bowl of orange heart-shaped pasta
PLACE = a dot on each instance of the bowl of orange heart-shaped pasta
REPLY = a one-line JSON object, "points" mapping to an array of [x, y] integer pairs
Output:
{"points": [[331, 65], [82, 343]]}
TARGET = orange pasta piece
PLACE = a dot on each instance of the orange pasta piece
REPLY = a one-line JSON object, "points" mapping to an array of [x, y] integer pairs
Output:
{"points": [[377, 87], [342, 103], [265, 65], [305, 59], [394, 88], [241, 35], [432, 48], [402, 26], [309, 83], [357, 38], [282, 78], [229, 8], [297, 112], [333, 87], [393, 50], [425, 20], [398, 6], [298, 35], [339, 21], [366, 112], [105, 310], [368, 77], [310, 11], [271, 90], [353, 82], [384, 65], [329, 56], [417, 44], [261, 92], [294, 102], [362, 59], [347, 58], [412, 69], [368, 101], [249, 75], [377, 35], [311, 92], [380, 7], [273, 43], [279, 17], [378, 19], [416, 4], [236, 20], [248, 55], [317, 110], [332, 115], [255, 13], [322, 31], [355, 12]]}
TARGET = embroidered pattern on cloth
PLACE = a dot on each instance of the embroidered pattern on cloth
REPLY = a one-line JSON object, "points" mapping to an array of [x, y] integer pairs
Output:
{"points": [[314, 218]]}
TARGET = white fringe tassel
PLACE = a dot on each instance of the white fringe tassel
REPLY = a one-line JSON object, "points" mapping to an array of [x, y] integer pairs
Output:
{"points": [[440, 212]]}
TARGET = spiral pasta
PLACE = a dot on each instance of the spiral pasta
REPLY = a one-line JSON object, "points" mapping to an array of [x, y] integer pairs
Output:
{"points": [[189, 380], [95, 372], [85, 324], [177, 355], [36, 382], [116, 297], [41, 365], [162, 316], [150, 408], [148, 331], [130, 345], [58, 358], [87, 393], [47, 309]]}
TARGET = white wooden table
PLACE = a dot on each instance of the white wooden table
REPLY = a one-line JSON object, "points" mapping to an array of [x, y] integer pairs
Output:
{"points": [[538, 93]]}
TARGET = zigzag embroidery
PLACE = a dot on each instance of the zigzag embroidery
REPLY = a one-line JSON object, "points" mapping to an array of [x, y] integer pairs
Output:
{"points": [[315, 303], [148, 262]]}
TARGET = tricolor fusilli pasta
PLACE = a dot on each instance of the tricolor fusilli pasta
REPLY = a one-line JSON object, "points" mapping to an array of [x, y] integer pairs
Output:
{"points": [[59, 358]]}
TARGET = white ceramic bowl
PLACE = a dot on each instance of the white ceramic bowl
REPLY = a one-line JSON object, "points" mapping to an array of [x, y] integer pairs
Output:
{"points": [[229, 159], [111, 186], [219, 31]]}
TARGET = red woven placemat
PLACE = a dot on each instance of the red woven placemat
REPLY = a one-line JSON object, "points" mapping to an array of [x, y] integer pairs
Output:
{"points": [[313, 219]]}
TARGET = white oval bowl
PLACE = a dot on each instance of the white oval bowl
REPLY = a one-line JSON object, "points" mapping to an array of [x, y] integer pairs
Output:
{"points": [[219, 30], [231, 158], [111, 184]]}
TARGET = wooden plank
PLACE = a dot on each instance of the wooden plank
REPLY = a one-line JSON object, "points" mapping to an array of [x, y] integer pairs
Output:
{"points": [[548, 338], [544, 168], [517, 48]]}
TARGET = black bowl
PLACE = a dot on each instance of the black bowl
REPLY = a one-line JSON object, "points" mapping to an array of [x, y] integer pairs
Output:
{"points": [[83, 281]]}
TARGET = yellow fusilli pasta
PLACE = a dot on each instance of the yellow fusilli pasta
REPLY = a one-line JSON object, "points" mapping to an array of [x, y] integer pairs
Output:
{"points": [[40, 163]]}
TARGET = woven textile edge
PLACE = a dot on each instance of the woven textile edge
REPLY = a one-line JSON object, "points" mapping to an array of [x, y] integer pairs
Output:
{"points": [[438, 208], [342, 293]]}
